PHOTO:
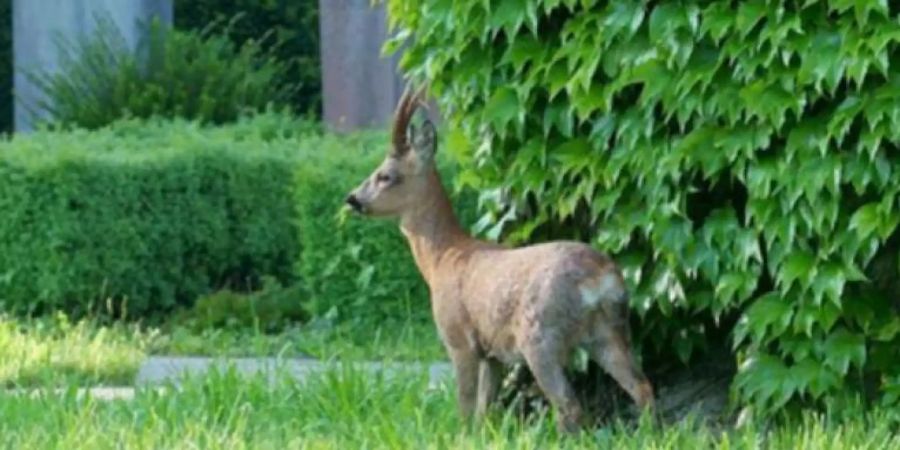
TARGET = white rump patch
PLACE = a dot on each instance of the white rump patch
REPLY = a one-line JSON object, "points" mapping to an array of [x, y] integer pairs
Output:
{"points": [[606, 286]]}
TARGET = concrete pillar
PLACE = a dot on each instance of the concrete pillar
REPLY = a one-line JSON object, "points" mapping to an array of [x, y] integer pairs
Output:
{"points": [[360, 87], [37, 24]]}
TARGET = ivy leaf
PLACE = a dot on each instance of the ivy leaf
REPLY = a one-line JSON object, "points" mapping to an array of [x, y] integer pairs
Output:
{"points": [[769, 312], [575, 155], [509, 15], [823, 60], [758, 377], [718, 19], [684, 347], [502, 108], [523, 51], [748, 15], [623, 16], [888, 331], [843, 348], [865, 220], [830, 282], [805, 374], [798, 266]]}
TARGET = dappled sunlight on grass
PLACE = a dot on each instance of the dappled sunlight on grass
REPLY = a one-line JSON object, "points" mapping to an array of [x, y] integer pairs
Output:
{"points": [[58, 352]]}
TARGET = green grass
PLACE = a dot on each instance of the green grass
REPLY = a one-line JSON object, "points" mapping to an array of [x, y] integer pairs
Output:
{"points": [[56, 352], [341, 408], [346, 408]]}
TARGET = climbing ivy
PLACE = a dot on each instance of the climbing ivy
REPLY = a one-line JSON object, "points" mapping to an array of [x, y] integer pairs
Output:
{"points": [[741, 160]]}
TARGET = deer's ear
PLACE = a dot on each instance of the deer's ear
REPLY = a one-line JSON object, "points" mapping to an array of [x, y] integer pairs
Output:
{"points": [[424, 140]]}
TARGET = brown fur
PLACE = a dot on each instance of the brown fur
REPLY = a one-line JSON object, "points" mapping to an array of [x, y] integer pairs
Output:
{"points": [[495, 305]]}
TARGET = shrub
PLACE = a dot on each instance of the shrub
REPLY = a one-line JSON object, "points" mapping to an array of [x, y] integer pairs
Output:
{"points": [[148, 214], [166, 214], [198, 76], [270, 309], [294, 27], [359, 269], [742, 164]]}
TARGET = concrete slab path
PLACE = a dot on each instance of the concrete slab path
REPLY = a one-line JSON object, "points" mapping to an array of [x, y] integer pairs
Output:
{"points": [[161, 369]]}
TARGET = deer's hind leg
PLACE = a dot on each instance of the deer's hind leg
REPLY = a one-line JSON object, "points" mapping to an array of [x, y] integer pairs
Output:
{"points": [[465, 365], [610, 347], [543, 358], [489, 377]]}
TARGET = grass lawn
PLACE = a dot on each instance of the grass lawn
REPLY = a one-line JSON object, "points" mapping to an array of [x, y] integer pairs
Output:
{"points": [[344, 409], [54, 351]]}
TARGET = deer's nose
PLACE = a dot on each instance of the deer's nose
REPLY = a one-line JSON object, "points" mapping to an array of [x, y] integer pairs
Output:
{"points": [[353, 202]]}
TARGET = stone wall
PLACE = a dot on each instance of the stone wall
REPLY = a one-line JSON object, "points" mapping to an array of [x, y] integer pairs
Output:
{"points": [[360, 87]]}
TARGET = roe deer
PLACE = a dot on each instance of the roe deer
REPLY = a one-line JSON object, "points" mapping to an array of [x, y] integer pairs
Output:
{"points": [[495, 305]]}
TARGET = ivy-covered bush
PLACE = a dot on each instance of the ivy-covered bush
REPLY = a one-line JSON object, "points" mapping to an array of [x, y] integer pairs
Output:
{"points": [[146, 215], [741, 160], [291, 28]]}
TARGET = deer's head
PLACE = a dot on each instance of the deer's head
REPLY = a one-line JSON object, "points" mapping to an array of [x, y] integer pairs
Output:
{"points": [[397, 184]]}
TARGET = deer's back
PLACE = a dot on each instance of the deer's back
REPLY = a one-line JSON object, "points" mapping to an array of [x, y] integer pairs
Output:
{"points": [[512, 295]]}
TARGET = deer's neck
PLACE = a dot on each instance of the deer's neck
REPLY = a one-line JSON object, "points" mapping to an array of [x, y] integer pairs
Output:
{"points": [[433, 231]]}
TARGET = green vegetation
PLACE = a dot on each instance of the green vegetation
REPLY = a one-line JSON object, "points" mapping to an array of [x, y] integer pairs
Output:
{"points": [[53, 351], [174, 74], [146, 216], [741, 164], [291, 31], [396, 340], [149, 216], [359, 270], [349, 408], [56, 351]]}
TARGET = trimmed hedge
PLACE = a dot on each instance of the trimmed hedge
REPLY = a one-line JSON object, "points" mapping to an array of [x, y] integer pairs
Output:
{"points": [[150, 215], [740, 159], [162, 214]]}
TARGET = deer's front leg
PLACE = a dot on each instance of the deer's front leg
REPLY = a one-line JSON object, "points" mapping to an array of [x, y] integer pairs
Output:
{"points": [[489, 372], [465, 364]]}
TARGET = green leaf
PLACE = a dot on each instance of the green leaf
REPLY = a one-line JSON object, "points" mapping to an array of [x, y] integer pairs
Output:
{"points": [[623, 16], [502, 108], [575, 155], [718, 19], [843, 348], [509, 15], [829, 282], [748, 15], [822, 62], [766, 318], [759, 378], [798, 266], [866, 220]]}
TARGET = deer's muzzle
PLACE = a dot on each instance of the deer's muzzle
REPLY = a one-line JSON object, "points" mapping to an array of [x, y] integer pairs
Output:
{"points": [[354, 203]]}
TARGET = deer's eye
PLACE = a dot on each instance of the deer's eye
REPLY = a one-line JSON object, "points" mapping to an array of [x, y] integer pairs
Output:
{"points": [[383, 178]]}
